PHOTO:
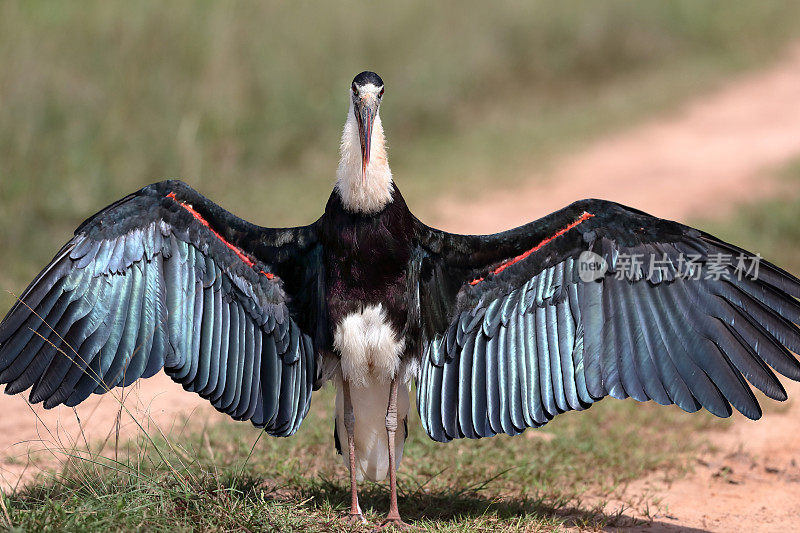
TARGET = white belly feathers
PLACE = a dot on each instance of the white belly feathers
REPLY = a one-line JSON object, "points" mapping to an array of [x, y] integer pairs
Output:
{"points": [[369, 347]]}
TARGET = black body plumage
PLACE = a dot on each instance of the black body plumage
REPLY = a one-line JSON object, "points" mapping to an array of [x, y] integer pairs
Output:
{"points": [[506, 332], [366, 262]]}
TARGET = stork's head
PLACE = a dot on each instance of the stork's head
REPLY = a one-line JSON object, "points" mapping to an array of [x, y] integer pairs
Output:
{"points": [[366, 92]]}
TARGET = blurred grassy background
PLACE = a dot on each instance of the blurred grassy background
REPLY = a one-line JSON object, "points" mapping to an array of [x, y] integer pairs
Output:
{"points": [[246, 102]]}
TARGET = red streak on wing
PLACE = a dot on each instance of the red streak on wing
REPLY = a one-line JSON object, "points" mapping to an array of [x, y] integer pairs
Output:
{"points": [[508, 262], [246, 260]]}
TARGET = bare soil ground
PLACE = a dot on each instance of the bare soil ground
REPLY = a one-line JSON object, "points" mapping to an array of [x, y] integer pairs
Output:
{"points": [[702, 159], [749, 481], [33, 437], [716, 152]]}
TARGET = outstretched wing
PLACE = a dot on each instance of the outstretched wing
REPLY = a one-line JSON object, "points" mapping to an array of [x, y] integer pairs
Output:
{"points": [[516, 336], [166, 278]]}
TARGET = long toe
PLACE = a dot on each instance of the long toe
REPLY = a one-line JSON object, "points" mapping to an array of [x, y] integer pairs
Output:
{"points": [[395, 522]]}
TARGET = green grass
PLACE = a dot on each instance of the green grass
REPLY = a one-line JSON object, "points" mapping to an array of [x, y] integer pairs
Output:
{"points": [[770, 227], [210, 481]]}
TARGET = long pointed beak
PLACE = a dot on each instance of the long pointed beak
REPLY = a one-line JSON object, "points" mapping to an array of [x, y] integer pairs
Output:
{"points": [[365, 110]]}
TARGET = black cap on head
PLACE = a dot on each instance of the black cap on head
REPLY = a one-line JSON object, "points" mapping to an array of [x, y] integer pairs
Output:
{"points": [[367, 77]]}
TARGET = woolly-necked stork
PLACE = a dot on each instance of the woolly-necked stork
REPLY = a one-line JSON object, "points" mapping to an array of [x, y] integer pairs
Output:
{"points": [[501, 332]]}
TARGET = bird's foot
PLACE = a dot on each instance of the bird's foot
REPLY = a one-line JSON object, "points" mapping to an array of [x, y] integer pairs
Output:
{"points": [[395, 522]]}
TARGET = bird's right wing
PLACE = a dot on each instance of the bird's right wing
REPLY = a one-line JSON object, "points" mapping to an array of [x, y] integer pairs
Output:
{"points": [[520, 328], [166, 278]]}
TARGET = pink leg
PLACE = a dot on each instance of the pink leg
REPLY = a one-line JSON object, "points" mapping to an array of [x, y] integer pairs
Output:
{"points": [[393, 518], [349, 425]]}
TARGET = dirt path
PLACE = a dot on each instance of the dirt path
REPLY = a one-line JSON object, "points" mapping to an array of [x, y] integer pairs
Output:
{"points": [[703, 158], [750, 482], [714, 152]]}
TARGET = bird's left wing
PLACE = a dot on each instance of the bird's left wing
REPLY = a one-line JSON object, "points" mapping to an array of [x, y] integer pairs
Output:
{"points": [[166, 278], [593, 300]]}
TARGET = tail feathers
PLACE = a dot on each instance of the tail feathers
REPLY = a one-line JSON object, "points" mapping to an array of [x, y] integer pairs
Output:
{"points": [[369, 406], [336, 442]]}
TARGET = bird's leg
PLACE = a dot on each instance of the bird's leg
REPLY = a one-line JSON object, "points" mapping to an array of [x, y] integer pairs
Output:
{"points": [[349, 426], [393, 518]]}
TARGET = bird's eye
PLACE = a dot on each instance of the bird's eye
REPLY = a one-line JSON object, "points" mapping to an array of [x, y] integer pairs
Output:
{"points": [[381, 93], [355, 89]]}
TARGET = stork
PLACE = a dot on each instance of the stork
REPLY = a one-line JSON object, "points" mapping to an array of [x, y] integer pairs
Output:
{"points": [[500, 332]]}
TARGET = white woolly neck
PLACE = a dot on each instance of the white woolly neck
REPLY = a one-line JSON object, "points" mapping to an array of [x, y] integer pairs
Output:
{"points": [[373, 195]]}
